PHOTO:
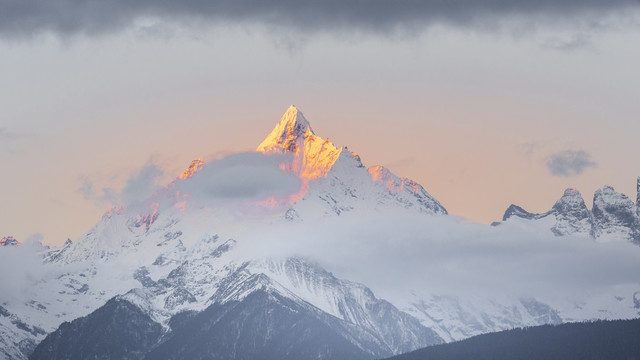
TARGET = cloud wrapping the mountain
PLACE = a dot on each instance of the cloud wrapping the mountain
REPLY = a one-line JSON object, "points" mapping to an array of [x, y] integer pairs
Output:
{"points": [[28, 17], [397, 255], [141, 185], [21, 267], [242, 176], [569, 163]]}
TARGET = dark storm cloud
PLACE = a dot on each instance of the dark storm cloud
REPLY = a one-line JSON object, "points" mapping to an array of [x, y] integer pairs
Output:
{"points": [[28, 17], [569, 162]]}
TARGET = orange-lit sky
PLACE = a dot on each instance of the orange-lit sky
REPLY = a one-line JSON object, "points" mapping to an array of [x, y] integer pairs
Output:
{"points": [[473, 113]]}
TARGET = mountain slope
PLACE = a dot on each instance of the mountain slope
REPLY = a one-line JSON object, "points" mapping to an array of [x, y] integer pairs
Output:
{"points": [[117, 330], [263, 325], [250, 316]]}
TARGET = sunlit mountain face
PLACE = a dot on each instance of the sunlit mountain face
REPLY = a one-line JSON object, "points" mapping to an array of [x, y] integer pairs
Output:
{"points": [[196, 165], [298, 250]]}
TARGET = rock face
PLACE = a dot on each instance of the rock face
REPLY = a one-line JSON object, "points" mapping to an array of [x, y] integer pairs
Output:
{"points": [[515, 210], [613, 215], [117, 330], [9, 241], [572, 215], [264, 325], [638, 198]]}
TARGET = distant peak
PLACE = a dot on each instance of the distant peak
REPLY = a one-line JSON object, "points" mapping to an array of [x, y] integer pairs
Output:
{"points": [[571, 192], [638, 196], [571, 202], [291, 127], [9, 241], [194, 167]]}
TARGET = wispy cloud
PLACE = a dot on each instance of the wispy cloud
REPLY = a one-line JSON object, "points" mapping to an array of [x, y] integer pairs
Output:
{"points": [[139, 186], [569, 162], [568, 43]]}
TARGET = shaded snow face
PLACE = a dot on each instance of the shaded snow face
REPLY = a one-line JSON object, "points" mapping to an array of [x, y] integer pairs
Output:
{"points": [[404, 254]]}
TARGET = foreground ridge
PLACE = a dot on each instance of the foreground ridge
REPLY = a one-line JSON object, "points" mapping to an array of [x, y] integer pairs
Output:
{"points": [[617, 339]]}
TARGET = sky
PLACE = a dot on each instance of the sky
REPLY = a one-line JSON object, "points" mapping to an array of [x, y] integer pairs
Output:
{"points": [[485, 103]]}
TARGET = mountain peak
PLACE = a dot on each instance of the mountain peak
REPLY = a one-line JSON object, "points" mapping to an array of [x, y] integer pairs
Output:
{"points": [[313, 156], [571, 192], [9, 241], [291, 127], [194, 167], [571, 199]]}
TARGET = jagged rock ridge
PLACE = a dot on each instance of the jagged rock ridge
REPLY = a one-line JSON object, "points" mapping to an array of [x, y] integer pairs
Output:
{"points": [[613, 215]]}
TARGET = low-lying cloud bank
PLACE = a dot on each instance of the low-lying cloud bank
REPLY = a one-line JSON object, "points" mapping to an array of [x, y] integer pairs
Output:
{"points": [[402, 254]]}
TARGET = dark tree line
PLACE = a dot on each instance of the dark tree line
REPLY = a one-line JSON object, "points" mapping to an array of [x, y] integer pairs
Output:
{"points": [[611, 340]]}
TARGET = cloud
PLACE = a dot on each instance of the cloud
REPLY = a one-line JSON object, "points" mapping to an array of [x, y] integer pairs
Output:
{"points": [[396, 255], [66, 17], [242, 176], [568, 43], [569, 162], [22, 267], [106, 196], [142, 184], [138, 187]]}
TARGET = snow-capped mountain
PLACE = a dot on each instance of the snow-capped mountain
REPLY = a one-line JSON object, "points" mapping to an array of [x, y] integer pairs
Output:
{"points": [[613, 216], [209, 264], [340, 181]]}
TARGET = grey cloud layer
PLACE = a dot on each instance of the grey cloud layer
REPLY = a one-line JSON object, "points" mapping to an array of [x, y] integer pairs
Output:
{"points": [[569, 163], [27, 17], [399, 254], [242, 176]]}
